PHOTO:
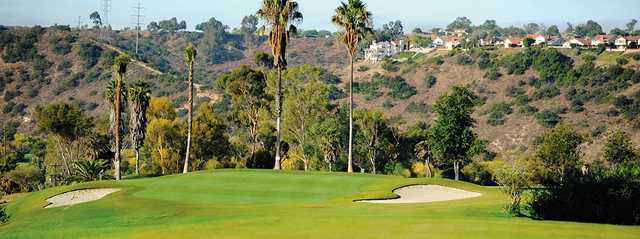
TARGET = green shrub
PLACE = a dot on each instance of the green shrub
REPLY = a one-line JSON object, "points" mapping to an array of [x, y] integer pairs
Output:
{"points": [[90, 53], [598, 131], [387, 104], [4, 217], [493, 74], [548, 118], [430, 81], [399, 88], [363, 69], [514, 91], [622, 61], [464, 59], [390, 66], [478, 173], [546, 92], [418, 107], [369, 89], [527, 109], [22, 179], [498, 113], [484, 61]]}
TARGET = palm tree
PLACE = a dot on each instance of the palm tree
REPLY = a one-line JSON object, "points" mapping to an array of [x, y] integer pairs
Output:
{"points": [[119, 68], [355, 23], [138, 96], [279, 17], [190, 54]]}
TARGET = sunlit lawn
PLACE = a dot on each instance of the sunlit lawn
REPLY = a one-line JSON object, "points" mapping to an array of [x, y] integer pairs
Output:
{"points": [[266, 204]]}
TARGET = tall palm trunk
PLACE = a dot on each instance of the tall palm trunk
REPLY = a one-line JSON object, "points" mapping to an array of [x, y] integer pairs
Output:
{"points": [[350, 167], [189, 119], [138, 162], [278, 114], [116, 128]]}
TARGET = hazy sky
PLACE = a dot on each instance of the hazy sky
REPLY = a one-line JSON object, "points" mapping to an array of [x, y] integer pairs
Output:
{"points": [[413, 13]]}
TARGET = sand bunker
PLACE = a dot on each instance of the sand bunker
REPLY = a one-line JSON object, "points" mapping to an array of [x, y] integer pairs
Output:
{"points": [[426, 193], [79, 196]]}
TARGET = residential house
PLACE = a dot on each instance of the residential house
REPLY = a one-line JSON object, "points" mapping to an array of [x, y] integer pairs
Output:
{"points": [[578, 42], [633, 41], [439, 42], [539, 38], [603, 39], [379, 50], [557, 42], [513, 42], [452, 42]]}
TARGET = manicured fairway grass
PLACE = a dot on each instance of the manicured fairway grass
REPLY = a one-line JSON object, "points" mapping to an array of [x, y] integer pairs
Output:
{"points": [[266, 204]]}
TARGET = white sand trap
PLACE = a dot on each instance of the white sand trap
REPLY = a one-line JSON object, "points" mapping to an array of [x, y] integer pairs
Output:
{"points": [[79, 196], [426, 193]]}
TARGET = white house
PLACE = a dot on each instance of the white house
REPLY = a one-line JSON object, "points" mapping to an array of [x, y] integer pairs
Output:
{"points": [[580, 42], [539, 38], [622, 43], [439, 41], [379, 50]]}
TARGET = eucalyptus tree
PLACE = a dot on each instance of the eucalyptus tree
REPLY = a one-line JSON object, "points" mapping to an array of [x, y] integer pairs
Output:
{"points": [[190, 54], [139, 94], [119, 69], [355, 22], [246, 88], [279, 18]]}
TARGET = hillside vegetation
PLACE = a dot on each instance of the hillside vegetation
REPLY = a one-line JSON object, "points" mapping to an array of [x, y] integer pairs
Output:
{"points": [[524, 91]]}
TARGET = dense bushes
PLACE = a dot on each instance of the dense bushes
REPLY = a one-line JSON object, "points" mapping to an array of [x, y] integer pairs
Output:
{"points": [[550, 63], [582, 191], [546, 92], [398, 87], [390, 66], [90, 53], [600, 196], [22, 179], [548, 118], [418, 107], [464, 59], [21, 47]]}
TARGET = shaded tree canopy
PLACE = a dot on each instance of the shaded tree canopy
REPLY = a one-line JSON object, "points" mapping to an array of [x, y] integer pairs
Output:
{"points": [[460, 23]]}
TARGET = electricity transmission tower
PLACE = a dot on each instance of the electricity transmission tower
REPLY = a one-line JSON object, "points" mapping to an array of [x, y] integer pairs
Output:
{"points": [[138, 15], [106, 12], [79, 22], [105, 18]]}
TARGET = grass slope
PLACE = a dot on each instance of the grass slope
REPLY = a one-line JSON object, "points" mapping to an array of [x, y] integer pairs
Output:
{"points": [[266, 204]]}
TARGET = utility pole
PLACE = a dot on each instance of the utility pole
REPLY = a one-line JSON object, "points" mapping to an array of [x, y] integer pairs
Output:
{"points": [[138, 15]]}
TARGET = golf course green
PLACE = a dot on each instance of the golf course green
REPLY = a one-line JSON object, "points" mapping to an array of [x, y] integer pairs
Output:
{"points": [[267, 204]]}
